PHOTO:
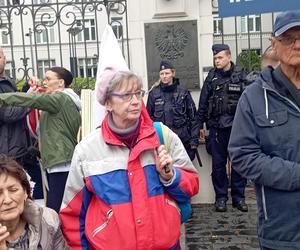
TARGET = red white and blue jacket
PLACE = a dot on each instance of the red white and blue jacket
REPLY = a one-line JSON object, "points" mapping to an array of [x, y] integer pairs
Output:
{"points": [[114, 198]]}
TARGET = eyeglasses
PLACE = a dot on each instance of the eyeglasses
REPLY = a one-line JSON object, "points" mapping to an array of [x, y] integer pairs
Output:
{"points": [[49, 80], [288, 40], [127, 97]]}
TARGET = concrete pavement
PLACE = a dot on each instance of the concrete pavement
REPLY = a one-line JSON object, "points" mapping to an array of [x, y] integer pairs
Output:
{"points": [[208, 229]]}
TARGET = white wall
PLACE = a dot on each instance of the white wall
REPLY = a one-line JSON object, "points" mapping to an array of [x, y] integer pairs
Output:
{"points": [[141, 12]]}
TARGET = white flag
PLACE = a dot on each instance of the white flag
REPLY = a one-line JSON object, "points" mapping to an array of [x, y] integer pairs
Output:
{"points": [[110, 55]]}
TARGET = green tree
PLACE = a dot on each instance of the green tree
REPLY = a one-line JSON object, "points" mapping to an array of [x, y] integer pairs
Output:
{"points": [[249, 60], [80, 83]]}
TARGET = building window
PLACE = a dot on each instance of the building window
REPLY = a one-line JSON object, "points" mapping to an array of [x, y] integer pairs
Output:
{"points": [[117, 26], [218, 25], [257, 51], [87, 67], [44, 33], [89, 31], [251, 23], [4, 37], [8, 69], [9, 2], [43, 66], [41, 1]]}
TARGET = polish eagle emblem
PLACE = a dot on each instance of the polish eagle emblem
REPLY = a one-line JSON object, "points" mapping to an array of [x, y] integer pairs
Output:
{"points": [[171, 41]]}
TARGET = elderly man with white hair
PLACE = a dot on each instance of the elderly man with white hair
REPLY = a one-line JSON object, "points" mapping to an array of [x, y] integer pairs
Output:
{"points": [[265, 139]]}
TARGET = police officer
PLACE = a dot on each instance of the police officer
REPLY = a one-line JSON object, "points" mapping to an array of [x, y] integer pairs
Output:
{"points": [[170, 103], [218, 100]]}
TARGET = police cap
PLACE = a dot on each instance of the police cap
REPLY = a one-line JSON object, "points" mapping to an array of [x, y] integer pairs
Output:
{"points": [[165, 65], [216, 48]]}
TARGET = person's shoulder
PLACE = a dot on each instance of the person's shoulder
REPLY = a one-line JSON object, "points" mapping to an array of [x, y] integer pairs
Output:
{"points": [[7, 85], [50, 217], [182, 89], [238, 68], [154, 88], [252, 76], [212, 70], [93, 138], [58, 94], [240, 71], [211, 74], [170, 133], [255, 88]]}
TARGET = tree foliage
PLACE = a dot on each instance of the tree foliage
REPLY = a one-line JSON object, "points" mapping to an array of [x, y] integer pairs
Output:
{"points": [[249, 60]]}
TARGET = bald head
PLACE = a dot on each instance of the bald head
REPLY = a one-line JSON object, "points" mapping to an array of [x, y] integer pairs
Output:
{"points": [[2, 62]]}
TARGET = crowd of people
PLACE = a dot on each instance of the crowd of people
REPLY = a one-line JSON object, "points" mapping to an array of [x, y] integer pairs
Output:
{"points": [[121, 187]]}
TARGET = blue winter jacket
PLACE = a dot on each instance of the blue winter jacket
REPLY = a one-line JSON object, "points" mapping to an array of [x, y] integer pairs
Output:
{"points": [[265, 147]]}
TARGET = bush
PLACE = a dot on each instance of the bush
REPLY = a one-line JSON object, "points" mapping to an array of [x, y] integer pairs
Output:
{"points": [[20, 84], [249, 60], [80, 83]]}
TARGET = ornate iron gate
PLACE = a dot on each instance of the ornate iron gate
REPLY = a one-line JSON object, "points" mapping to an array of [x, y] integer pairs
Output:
{"points": [[38, 34]]}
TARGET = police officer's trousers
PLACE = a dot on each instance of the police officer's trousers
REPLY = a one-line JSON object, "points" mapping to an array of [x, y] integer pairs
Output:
{"points": [[219, 143]]}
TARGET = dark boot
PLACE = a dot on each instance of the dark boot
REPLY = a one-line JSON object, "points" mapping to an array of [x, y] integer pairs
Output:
{"points": [[220, 206], [241, 205]]}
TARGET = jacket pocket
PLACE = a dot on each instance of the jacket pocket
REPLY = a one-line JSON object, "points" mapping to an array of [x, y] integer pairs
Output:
{"points": [[109, 214], [275, 119], [270, 131], [158, 108], [159, 112], [173, 204], [166, 221]]}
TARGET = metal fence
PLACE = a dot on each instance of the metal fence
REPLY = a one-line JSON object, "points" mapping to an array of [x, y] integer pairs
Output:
{"points": [[244, 34], [38, 34]]}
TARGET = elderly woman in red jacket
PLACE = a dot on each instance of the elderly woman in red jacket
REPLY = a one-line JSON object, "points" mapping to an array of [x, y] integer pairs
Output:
{"points": [[123, 186]]}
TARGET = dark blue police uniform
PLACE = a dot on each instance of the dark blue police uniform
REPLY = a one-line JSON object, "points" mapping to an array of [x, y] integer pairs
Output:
{"points": [[173, 105], [218, 100]]}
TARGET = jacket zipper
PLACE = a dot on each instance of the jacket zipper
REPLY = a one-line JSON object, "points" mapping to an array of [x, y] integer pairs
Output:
{"points": [[105, 223], [173, 204], [263, 197]]}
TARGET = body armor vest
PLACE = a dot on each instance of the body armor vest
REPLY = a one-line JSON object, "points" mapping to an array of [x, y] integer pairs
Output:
{"points": [[226, 94]]}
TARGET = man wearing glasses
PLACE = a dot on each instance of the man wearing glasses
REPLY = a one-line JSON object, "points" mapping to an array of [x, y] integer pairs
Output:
{"points": [[173, 105], [265, 139], [58, 127]]}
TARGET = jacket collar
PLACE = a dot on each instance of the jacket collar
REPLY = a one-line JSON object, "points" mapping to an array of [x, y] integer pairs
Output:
{"points": [[146, 130], [32, 214], [266, 79]]}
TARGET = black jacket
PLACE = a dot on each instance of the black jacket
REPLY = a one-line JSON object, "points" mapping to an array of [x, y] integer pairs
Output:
{"points": [[173, 105], [224, 120], [14, 136]]}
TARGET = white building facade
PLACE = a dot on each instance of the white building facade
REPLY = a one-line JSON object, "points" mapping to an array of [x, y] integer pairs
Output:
{"points": [[38, 34]]}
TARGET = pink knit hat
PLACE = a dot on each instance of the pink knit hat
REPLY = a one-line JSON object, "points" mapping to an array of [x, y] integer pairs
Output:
{"points": [[104, 81]]}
